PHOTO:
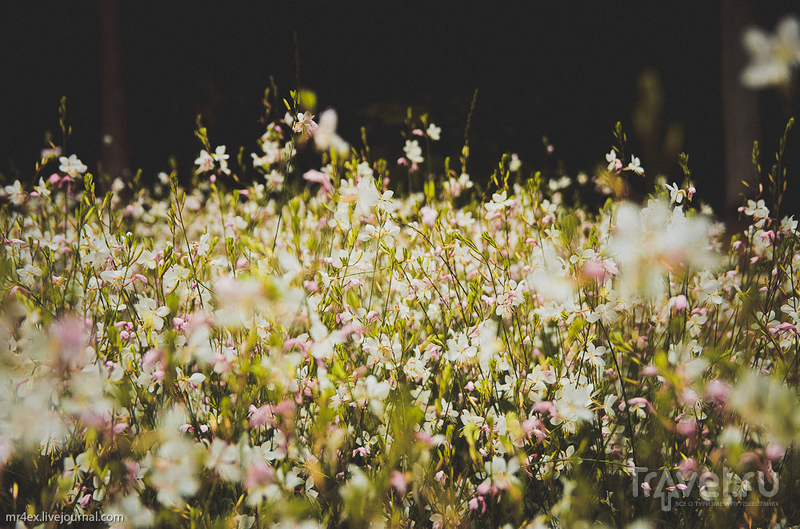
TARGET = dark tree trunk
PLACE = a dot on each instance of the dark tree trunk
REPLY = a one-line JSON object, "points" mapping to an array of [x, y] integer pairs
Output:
{"points": [[116, 149], [740, 106]]}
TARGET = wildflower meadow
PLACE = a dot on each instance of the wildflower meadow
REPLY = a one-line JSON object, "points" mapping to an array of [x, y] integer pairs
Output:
{"points": [[385, 343]]}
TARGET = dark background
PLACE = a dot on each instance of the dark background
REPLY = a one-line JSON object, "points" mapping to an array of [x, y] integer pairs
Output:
{"points": [[566, 71]]}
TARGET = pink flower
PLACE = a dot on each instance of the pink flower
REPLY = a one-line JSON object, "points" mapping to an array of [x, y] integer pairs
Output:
{"points": [[718, 391], [305, 124], [642, 402], [398, 481], [687, 427], [774, 451], [649, 371], [320, 178], [428, 216], [679, 302], [261, 416], [258, 473]]}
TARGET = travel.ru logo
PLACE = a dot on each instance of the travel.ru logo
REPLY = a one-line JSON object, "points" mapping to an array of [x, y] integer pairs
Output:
{"points": [[709, 483]]}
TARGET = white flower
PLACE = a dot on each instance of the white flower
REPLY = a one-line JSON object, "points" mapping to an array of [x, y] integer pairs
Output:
{"points": [[72, 166], [611, 158], [596, 355], [460, 350], [42, 188], [368, 196], [608, 405], [325, 137], [147, 259], [502, 472], [574, 403], [173, 276], [772, 56], [636, 166], [675, 194], [204, 162], [146, 308], [28, 274], [274, 180], [788, 224], [758, 211], [497, 205], [15, 193], [434, 132], [305, 123], [413, 151], [221, 157], [648, 242]]}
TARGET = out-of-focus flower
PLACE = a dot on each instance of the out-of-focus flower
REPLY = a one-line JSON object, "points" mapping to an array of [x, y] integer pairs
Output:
{"points": [[368, 196], [773, 56], [325, 137], [434, 132], [413, 152], [649, 242], [204, 162], [321, 178], [69, 341]]}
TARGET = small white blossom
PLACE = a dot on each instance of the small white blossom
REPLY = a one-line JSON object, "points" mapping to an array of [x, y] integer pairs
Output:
{"points": [[72, 166], [413, 151]]}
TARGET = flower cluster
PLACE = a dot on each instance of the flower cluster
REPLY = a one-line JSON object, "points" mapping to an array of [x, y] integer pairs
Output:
{"points": [[350, 356]]}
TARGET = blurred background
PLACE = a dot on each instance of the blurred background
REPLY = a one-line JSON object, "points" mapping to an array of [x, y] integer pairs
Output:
{"points": [[559, 75]]}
